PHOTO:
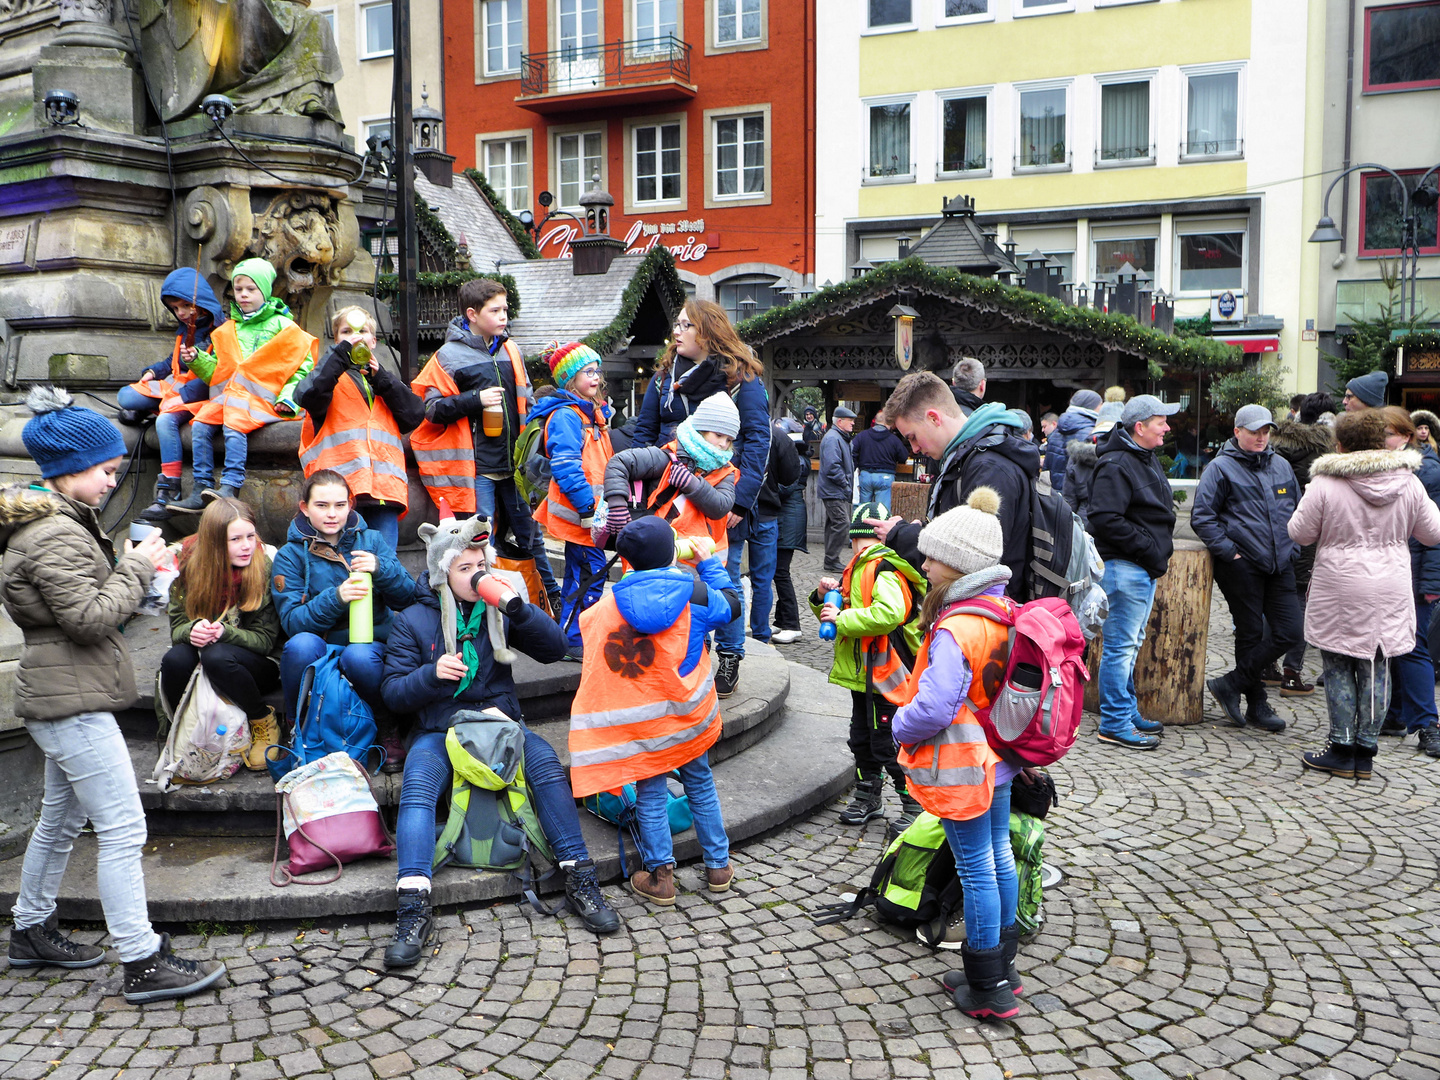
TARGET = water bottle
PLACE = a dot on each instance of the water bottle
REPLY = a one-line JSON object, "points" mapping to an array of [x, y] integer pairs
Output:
{"points": [[213, 741], [362, 613], [684, 550], [827, 629]]}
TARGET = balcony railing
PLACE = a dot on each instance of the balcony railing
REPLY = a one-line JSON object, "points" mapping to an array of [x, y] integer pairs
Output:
{"points": [[1205, 148], [616, 65]]}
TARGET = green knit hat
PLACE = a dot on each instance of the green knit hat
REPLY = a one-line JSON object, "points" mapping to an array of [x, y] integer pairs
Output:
{"points": [[258, 271]]}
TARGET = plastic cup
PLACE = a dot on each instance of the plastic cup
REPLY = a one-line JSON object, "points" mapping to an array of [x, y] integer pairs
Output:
{"points": [[139, 530]]}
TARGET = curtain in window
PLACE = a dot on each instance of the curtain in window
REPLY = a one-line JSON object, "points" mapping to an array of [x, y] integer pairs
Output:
{"points": [[579, 161], [954, 8], [1212, 123], [964, 135], [737, 20], [579, 24], [1125, 121], [1042, 127], [657, 163], [890, 140]]}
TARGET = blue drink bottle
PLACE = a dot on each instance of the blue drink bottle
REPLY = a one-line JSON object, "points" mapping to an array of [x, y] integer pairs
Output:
{"points": [[827, 629]]}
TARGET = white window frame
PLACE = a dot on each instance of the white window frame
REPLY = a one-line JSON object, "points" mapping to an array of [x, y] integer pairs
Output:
{"points": [[1122, 3], [633, 31], [483, 58], [569, 131], [362, 37], [332, 17], [1123, 235], [1021, 89], [1020, 11], [1212, 69], [713, 16], [711, 118], [888, 28], [941, 19], [1204, 226], [1112, 78], [893, 99], [482, 141], [941, 97], [634, 206]]}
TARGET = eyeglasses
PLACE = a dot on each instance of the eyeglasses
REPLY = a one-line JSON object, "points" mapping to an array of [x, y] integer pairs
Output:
{"points": [[684, 324], [1348, 396]]}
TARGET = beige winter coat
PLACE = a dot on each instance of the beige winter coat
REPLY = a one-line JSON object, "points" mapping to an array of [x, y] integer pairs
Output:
{"points": [[1361, 509], [61, 584]]}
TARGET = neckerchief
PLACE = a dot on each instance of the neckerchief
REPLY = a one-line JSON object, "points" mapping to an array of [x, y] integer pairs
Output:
{"points": [[470, 629]]}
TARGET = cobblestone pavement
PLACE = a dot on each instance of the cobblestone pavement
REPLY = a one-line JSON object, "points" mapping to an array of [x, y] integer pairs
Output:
{"points": [[1222, 915]]}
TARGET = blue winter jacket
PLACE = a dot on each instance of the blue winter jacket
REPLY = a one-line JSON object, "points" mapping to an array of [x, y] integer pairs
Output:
{"points": [[307, 572], [185, 284], [410, 686], [563, 444], [1074, 423], [651, 601], [662, 410], [1425, 561]]}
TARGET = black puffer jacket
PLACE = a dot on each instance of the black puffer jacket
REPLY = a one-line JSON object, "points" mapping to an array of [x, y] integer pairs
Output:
{"points": [[1242, 506], [1079, 473], [1132, 512], [786, 466], [1300, 444], [1425, 561]]}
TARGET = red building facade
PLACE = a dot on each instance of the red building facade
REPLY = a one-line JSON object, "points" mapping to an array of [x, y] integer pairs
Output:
{"points": [[698, 116]]}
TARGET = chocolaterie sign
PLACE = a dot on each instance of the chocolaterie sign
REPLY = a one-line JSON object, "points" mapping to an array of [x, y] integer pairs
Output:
{"points": [[642, 237]]}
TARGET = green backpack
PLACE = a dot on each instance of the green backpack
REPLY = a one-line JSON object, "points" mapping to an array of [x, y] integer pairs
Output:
{"points": [[492, 824], [914, 883], [532, 467]]}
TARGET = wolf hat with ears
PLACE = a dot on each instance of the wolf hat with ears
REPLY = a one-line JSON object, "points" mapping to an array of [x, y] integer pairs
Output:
{"points": [[443, 544]]}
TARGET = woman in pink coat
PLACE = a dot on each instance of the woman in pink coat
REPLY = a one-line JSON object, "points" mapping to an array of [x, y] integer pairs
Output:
{"points": [[1361, 507]]}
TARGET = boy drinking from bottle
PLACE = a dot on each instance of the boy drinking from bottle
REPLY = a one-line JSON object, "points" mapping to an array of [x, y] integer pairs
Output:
{"points": [[877, 633]]}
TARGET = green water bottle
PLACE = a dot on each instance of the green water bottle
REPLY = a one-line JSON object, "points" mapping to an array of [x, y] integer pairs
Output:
{"points": [[362, 613]]}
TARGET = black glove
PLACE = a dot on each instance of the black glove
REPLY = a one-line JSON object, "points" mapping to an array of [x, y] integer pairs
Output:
{"points": [[339, 351]]}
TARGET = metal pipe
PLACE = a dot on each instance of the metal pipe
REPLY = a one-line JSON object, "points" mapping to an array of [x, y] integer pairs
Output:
{"points": [[1349, 113], [407, 301]]}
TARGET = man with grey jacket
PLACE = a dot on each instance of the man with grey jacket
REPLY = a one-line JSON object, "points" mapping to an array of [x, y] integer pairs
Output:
{"points": [[836, 485], [1242, 506]]}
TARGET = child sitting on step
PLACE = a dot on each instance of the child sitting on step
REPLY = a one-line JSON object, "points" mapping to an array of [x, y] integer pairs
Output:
{"points": [[645, 655], [877, 633]]}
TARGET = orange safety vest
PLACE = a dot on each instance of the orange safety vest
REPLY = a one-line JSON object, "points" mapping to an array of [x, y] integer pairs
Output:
{"points": [[445, 453], [952, 774], [167, 390], [359, 441], [883, 666], [682, 515], [633, 716], [556, 512], [252, 384]]}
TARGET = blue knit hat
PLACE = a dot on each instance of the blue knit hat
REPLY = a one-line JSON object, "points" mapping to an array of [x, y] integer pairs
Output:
{"points": [[1370, 388], [66, 438], [647, 543]]}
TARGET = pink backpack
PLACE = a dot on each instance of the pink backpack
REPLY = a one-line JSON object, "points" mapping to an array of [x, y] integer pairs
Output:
{"points": [[1036, 712]]}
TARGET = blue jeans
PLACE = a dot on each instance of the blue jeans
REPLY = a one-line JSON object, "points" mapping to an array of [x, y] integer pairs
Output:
{"points": [[986, 867], [127, 397], [764, 542], [1412, 676], [362, 665], [492, 496], [88, 775], [1132, 594], [427, 777], [875, 486], [656, 847], [384, 518], [167, 425], [579, 559], [202, 453]]}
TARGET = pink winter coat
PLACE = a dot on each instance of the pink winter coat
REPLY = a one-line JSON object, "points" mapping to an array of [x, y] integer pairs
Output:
{"points": [[1362, 508]]}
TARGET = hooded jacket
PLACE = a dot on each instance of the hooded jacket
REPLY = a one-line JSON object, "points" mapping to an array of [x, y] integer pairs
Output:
{"points": [[410, 686], [471, 364], [1361, 509], [1132, 512], [185, 284], [564, 442], [308, 571], [1080, 462], [256, 328], [886, 612], [786, 466], [837, 466], [70, 597], [878, 449], [1074, 423], [651, 601], [1242, 504], [1300, 444]]}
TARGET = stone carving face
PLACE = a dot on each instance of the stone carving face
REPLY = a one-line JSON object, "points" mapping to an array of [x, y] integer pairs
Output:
{"points": [[298, 235]]}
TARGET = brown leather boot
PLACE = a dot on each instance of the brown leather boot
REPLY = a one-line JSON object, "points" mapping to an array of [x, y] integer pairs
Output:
{"points": [[719, 880], [657, 886]]}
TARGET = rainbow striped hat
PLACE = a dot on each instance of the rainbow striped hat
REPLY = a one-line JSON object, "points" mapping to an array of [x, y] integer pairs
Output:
{"points": [[568, 360]]}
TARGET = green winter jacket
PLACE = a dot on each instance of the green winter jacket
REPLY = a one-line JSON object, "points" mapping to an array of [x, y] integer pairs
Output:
{"points": [[252, 331], [257, 631], [885, 613]]}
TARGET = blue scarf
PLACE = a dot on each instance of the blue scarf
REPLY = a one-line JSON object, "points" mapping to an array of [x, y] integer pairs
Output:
{"points": [[706, 456]]}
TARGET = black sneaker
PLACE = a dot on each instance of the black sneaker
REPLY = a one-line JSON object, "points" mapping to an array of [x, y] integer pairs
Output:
{"points": [[414, 928], [1394, 729], [1263, 716], [44, 946], [191, 504], [163, 975], [1430, 740], [583, 895], [727, 673]]}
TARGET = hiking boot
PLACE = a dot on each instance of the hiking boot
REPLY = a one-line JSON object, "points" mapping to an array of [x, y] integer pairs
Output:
{"points": [[224, 491], [785, 637], [555, 600], [657, 886], [865, 805], [167, 490], [1010, 947], [1148, 727], [1263, 716], [1339, 760], [162, 975], [1271, 675], [263, 733], [719, 880], [1132, 739], [909, 811], [1364, 760], [584, 898], [945, 932], [44, 946], [414, 928], [191, 504], [1393, 728], [1430, 740], [985, 993], [727, 673], [1294, 686], [1228, 696]]}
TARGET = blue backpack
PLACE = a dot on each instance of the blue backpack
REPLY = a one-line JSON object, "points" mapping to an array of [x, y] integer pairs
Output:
{"points": [[619, 810], [330, 716]]}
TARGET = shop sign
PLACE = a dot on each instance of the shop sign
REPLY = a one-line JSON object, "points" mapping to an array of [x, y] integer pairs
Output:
{"points": [[640, 240]]}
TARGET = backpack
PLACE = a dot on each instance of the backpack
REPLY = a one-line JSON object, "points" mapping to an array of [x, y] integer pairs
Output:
{"points": [[914, 883], [1063, 561], [196, 749], [620, 811], [330, 716], [532, 467], [1027, 843], [1034, 720]]}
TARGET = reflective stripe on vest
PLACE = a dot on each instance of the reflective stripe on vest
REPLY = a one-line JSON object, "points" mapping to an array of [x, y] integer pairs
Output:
{"points": [[683, 516], [556, 513], [883, 666], [445, 453], [952, 774], [361, 441], [254, 382], [668, 720]]}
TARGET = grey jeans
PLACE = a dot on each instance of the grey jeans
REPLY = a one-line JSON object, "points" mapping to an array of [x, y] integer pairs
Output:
{"points": [[1358, 694], [837, 532], [88, 775]]}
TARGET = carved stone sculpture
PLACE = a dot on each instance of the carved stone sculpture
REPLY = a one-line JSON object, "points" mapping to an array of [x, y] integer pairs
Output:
{"points": [[302, 235]]}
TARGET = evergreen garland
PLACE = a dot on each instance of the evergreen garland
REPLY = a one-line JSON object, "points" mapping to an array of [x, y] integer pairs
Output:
{"points": [[451, 279], [522, 236], [1044, 312], [657, 266], [433, 229], [1426, 340]]}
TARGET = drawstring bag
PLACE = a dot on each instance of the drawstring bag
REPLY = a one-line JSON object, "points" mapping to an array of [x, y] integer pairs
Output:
{"points": [[206, 740], [329, 817]]}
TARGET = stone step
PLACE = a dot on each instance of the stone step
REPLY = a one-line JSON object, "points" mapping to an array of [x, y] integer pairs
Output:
{"points": [[803, 763]]}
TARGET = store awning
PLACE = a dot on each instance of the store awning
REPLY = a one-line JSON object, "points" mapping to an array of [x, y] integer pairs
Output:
{"points": [[1254, 344]]}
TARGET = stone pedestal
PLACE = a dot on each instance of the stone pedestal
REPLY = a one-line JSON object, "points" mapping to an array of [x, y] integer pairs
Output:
{"points": [[21, 762], [106, 80]]}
